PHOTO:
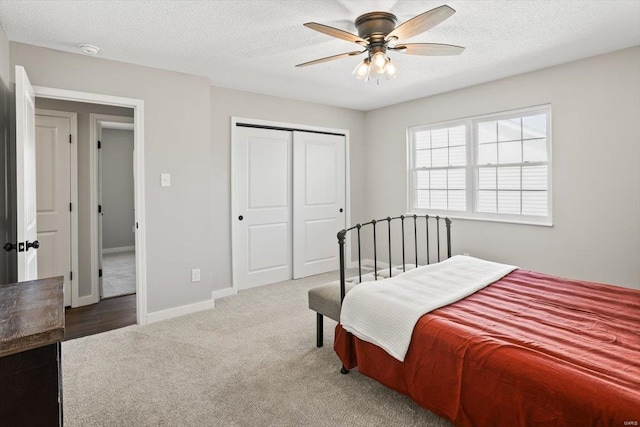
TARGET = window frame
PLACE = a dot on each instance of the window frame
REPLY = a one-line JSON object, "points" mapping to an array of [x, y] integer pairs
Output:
{"points": [[471, 168]]}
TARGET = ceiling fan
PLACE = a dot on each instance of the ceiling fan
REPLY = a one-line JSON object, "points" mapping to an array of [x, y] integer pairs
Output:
{"points": [[377, 31]]}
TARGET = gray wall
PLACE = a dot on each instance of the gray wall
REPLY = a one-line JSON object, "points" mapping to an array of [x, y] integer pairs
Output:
{"points": [[84, 190], [187, 125], [227, 103], [596, 167], [177, 140], [117, 188], [187, 134]]}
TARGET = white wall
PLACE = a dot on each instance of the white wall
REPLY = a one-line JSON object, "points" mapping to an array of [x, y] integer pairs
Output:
{"points": [[227, 103], [596, 167], [177, 140], [117, 188]]}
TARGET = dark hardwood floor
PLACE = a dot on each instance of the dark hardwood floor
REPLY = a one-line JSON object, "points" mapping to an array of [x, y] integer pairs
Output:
{"points": [[108, 314]]}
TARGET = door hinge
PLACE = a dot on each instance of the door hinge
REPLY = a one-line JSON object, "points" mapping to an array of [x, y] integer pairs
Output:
{"points": [[70, 139], [70, 207], [136, 225], [99, 145], [70, 275], [99, 208], [100, 273]]}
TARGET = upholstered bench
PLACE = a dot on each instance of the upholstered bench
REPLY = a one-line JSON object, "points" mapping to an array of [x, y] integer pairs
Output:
{"points": [[325, 299]]}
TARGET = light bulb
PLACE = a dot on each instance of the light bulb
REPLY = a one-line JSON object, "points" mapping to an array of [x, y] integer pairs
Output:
{"points": [[362, 70], [379, 61], [390, 70]]}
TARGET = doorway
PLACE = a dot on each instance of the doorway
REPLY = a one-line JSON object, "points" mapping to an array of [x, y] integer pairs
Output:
{"points": [[116, 205], [289, 199], [90, 291]]}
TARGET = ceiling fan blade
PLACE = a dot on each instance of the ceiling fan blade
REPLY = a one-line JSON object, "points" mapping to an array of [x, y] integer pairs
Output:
{"points": [[331, 58], [429, 49], [335, 32], [421, 23]]}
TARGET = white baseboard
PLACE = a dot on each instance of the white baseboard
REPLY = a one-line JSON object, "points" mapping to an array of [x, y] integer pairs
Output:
{"points": [[120, 249], [170, 313], [223, 293]]}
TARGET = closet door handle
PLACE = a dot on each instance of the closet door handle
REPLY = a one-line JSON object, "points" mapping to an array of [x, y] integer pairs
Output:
{"points": [[341, 209], [240, 217]]}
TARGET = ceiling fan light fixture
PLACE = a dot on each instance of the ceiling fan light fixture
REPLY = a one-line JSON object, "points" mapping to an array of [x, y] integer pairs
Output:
{"points": [[390, 70], [362, 70], [379, 62], [379, 34]]}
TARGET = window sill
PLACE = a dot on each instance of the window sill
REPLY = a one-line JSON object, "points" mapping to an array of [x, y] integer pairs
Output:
{"points": [[455, 216]]}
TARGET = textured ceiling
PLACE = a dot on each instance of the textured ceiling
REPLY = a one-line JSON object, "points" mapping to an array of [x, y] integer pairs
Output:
{"points": [[254, 45]]}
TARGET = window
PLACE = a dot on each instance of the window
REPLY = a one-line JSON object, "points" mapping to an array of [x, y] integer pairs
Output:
{"points": [[493, 167], [440, 168]]}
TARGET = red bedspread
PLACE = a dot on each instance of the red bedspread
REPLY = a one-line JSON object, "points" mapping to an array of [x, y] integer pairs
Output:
{"points": [[530, 349]]}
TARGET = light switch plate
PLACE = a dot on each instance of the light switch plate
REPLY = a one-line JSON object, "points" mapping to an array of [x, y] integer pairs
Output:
{"points": [[165, 180]]}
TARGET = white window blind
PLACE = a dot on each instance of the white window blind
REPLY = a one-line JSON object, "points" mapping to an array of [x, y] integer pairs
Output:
{"points": [[494, 167], [439, 171]]}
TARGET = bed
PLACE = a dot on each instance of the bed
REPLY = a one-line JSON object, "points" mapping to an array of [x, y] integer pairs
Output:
{"points": [[529, 349]]}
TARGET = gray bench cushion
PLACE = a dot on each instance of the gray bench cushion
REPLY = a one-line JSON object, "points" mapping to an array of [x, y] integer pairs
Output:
{"points": [[325, 299]]}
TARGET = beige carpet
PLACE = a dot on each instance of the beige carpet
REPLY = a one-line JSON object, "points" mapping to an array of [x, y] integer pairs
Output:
{"points": [[251, 361]]}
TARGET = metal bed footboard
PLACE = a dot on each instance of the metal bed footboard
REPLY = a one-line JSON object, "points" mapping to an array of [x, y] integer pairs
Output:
{"points": [[342, 235]]}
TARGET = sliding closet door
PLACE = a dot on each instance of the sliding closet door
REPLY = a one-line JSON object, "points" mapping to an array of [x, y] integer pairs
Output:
{"points": [[318, 201], [262, 164]]}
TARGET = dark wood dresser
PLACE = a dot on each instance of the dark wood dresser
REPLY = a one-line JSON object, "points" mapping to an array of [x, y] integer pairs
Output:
{"points": [[31, 330]]}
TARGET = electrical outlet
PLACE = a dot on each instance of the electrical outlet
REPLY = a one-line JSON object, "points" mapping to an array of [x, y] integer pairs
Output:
{"points": [[195, 275], [165, 180], [466, 254]]}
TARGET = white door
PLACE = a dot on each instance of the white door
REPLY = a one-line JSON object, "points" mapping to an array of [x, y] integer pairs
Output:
{"points": [[27, 232], [318, 201], [53, 184], [262, 207]]}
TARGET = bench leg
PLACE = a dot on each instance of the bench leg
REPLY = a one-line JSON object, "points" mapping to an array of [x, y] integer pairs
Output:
{"points": [[319, 330]]}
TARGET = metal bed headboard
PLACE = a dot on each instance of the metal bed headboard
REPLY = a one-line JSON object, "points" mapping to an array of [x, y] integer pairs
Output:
{"points": [[342, 234]]}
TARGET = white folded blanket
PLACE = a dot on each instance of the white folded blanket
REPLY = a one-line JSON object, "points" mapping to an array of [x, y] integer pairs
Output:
{"points": [[385, 312]]}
